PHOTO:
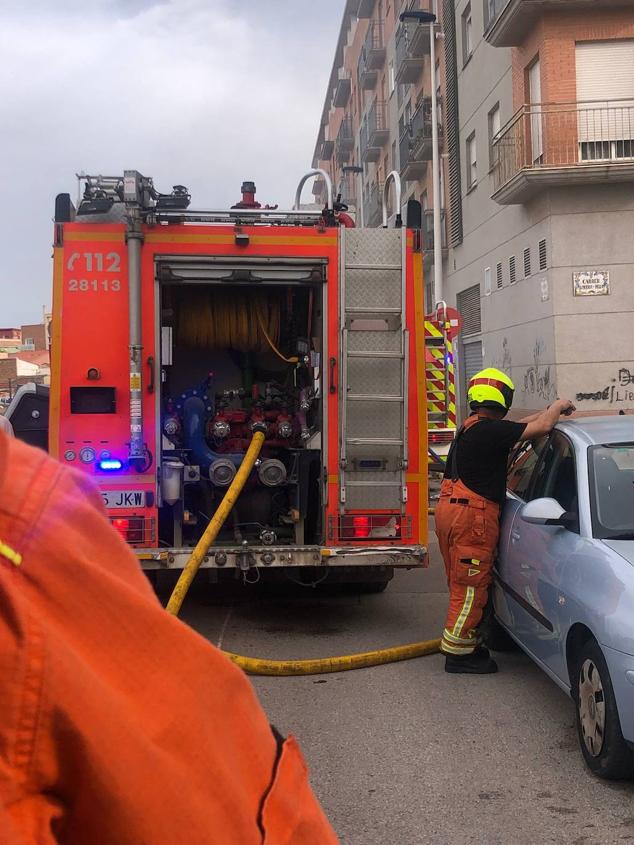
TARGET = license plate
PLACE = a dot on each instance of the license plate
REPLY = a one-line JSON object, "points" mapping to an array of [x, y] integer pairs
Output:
{"points": [[123, 498]]}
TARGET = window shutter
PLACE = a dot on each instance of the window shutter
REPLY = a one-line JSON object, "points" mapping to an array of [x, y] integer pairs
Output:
{"points": [[543, 255], [605, 72], [468, 302], [452, 117], [499, 276], [512, 271]]}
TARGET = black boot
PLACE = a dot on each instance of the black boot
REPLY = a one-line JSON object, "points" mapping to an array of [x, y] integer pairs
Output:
{"points": [[479, 662]]}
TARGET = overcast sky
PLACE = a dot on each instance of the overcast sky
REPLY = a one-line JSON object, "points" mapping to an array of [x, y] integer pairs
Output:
{"points": [[203, 93]]}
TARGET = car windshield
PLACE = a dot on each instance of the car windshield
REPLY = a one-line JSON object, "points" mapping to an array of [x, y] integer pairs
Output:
{"points": [[612, 491]]}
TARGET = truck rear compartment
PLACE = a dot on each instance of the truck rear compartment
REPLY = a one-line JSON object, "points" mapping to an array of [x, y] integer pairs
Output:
{"points": [[234, 357]]}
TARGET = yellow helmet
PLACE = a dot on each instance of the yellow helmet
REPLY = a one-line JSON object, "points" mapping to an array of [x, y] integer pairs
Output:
{"points": [[491, 388]]}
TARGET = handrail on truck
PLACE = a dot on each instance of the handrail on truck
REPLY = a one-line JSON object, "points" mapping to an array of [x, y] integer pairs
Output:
{"points": [[393, 176], [316, 172]]}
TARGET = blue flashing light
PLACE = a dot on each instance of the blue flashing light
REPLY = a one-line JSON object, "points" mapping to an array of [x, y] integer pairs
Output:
{"points": [[110, 464]]}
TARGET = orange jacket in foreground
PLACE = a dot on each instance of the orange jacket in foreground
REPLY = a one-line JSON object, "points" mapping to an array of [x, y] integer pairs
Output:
{"points": [[118, 723]]}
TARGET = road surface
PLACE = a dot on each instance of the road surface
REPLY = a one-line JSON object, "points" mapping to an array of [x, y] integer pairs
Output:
{"points": [[404, 754]]}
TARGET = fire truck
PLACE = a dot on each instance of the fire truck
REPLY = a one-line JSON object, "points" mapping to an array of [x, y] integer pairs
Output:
{"points": [[177, 333]]}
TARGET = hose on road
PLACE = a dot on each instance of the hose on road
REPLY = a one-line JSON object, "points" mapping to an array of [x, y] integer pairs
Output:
{"points": [[363, 660], [258, 666]]}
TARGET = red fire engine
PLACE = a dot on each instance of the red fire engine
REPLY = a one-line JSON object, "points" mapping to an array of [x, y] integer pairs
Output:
{"points": [[177, 333]]}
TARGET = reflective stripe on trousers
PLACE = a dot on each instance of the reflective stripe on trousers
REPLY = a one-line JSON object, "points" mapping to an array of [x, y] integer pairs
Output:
{"points": [[468, 528]]}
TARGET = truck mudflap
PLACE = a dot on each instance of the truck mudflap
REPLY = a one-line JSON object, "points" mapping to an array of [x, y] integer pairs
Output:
{"points": [[269, 557]]}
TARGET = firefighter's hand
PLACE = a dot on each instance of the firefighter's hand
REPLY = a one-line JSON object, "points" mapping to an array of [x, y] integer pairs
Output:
{"points": [[565, 407]]}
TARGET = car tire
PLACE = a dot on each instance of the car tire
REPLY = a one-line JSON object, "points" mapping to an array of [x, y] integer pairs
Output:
{"points": [[495, 637], [598, 726]]}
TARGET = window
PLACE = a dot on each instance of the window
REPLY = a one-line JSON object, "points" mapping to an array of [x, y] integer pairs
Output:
{"points": [[522, 466], [543, 255], [499, 275], [467, 35], [527, 262], [472, 171], [494, 128], [394, 167], [391, 77], [556, 477], [512, 270], [612, 490]]}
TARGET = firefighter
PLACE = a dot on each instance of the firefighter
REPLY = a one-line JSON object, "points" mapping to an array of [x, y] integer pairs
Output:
{"points": [[121, 725], [468, 512]]}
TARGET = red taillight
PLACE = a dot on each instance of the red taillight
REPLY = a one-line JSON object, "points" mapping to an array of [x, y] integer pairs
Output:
{"points": [[361, 526], [130, 528], [122, 526]]}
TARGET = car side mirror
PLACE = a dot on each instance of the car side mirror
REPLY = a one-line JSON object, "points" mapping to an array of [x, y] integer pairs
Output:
{"points": [[543, 512]]}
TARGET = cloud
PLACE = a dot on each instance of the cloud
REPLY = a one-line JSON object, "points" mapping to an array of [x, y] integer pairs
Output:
{"points": [[204, 93]]}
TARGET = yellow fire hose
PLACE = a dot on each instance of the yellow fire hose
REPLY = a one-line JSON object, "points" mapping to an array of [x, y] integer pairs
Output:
{"points": [[211, 531], [257, 666]]}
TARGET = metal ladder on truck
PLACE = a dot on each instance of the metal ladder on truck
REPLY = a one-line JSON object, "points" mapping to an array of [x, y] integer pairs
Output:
{"points": [[374, 377]]}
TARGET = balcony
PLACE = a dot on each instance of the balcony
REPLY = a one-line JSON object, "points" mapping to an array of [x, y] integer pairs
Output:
{"points": [[347, 189], [342, 91], [549, 145], [428, 234], [415, 144], [373, 205], [412, 45], [345, 141], [372, 56], [327, 149], [507, 22], [374, 131], [365, 8]]}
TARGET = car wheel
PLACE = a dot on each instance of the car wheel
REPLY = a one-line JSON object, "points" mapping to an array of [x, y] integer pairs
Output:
{"points": [[495, 637], [602, 745]]}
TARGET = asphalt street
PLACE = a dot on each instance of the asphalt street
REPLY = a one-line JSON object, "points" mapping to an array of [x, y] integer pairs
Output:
{"points": [[404, 754]]}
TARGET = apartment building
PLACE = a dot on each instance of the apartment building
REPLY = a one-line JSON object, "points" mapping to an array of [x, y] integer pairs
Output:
{"points": [[541, 202], [537, 129], [377, 111]]}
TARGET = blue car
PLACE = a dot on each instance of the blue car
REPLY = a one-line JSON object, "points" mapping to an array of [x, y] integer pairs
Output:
{"points": [[564, 580]]}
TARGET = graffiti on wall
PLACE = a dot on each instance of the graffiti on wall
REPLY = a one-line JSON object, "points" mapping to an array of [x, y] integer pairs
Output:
{"points": [[504, 361], [538, 380], [620, 389]]}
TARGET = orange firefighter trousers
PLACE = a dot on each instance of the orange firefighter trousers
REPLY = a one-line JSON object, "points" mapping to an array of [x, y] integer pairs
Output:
{"points": [[468, 527], [120, 725]]}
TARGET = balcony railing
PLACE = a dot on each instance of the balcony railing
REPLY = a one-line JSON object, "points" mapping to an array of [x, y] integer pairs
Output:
{"points": [[345, 140], [412, 44], [374, 131], [372, 55], [341, 94], [347, 189], [548, 145], [428, 230], [415, 144], [327, 149], [372, 205]]}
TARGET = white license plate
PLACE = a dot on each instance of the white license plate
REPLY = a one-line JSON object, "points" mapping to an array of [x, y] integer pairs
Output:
{"points": [[123, 498]]}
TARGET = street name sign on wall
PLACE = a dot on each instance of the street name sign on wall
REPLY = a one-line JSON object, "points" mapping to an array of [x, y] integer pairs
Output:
{"points": [[591, 283]]}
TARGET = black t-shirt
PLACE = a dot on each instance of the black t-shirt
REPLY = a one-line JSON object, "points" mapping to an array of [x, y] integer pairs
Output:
{"points": [[482, 454]]}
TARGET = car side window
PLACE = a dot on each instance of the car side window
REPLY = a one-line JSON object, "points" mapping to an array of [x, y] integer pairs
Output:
{"points": [[522, 466], [556, 476]]}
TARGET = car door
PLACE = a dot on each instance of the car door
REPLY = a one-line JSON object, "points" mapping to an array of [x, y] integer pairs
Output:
{"points": [[539, 556], [522, 466]]}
